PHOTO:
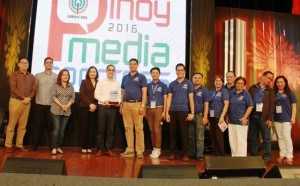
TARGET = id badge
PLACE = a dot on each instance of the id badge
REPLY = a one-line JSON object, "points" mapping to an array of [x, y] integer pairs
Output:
{"points": [[259, 107], [212, 113], [278, 109], [153, 104]]}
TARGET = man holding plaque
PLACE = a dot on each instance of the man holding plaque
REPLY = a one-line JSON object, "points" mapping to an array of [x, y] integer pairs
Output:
{"points": [[108, 94]]}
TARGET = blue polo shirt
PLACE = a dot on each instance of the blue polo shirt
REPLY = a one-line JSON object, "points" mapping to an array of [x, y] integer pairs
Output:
{"points": [[180, 95], [285, 102], [216, 100], [230, 90], [156, 92], [200, 96], [259, 96], [238, 104], [133, 85]]}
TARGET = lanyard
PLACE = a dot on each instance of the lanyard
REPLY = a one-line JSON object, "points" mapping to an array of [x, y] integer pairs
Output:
{"points": [[153, 90]]}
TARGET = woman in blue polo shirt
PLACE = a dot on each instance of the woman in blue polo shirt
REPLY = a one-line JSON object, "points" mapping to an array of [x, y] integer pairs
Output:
{"points": [[218, 106], [240, 107], [285, 117]]}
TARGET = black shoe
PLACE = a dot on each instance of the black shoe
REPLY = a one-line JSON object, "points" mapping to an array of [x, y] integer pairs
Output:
{"points": [[33, 147], [199, 159]]}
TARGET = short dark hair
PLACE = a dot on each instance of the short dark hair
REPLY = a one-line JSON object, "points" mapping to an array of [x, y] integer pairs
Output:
{"points": [[110, 66], [198, 73], [47, 59], [267, 72], [134, 59], [180, 65], [240, 78], [155, 68], [231, 72], [88, 71], [219, 76]]}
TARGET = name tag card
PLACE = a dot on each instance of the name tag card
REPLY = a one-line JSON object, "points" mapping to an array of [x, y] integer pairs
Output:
{"points": [[212, 113], [278, 109], [153, 104], [259, 107]]}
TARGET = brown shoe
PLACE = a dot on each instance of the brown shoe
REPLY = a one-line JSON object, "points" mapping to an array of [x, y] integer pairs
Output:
{"points": [[289, 161], [99, 153], [22, 149], [110, 153], [8, 150], [185, 158], [267, 161], [171, 157], [280, 160]]}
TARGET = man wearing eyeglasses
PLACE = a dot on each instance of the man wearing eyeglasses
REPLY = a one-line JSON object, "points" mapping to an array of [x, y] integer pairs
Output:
{"points": [[43, 99], [108, 94], [262, 115], [22, 90]]}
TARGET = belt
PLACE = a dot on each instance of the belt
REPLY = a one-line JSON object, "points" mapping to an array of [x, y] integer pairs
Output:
{"points": [[132, 100], [106, 106], [156, 106], [17, 98]]}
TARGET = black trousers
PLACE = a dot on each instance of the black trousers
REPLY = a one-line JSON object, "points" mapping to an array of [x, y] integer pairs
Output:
{"points": [[42, 120], [106, 127], [217, 137], [179, 124], [88, 122]]}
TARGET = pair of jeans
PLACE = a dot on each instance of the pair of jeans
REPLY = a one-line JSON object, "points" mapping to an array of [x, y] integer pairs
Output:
{"points": [[179, 124], [106, 128], [42, 120], [217, 137], [196, 136], [18, 114], [154, 119], [258, 125], [59, 124], [88, 122]]}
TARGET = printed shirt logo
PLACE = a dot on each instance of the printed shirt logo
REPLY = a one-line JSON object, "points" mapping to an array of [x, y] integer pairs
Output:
{"points": [[199, 94], [241, 98], [219, 94], [185, 86], [159, 89], [136, 79]]}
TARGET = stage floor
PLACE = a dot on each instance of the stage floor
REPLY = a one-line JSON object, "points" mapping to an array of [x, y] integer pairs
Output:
{"points": [[79, 164]]}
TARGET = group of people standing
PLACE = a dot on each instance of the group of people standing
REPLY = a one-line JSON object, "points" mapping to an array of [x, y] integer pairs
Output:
{"points": [[187, 105]]}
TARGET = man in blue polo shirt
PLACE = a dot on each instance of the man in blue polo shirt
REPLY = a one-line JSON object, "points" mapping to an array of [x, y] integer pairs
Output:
{"points": [[156, 106], [262, 115], [134, 98], [197, 126], [179, 102]]}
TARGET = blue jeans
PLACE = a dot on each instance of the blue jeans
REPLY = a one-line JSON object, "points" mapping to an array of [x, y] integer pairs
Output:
{"points": [[59, 125], [196, 136], [256, 126]]}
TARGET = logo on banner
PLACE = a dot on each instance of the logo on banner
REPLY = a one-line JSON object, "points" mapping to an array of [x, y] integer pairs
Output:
{"points": [[78, 6]]}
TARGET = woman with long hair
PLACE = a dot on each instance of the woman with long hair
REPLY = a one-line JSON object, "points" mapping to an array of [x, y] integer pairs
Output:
{"points": [[285, 117], [88, 107]]}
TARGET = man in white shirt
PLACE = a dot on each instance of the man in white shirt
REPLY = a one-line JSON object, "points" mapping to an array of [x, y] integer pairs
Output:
{"points": [[108, 94]]}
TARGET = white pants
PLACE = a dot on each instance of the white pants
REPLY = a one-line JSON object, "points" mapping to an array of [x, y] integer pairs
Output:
{"points": [[238, 139], [284, 139]]}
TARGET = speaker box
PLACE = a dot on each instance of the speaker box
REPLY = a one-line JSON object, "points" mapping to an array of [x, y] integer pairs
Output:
{"points": [[221, 167], [34, 166], [284, 171], [168, 171]]}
